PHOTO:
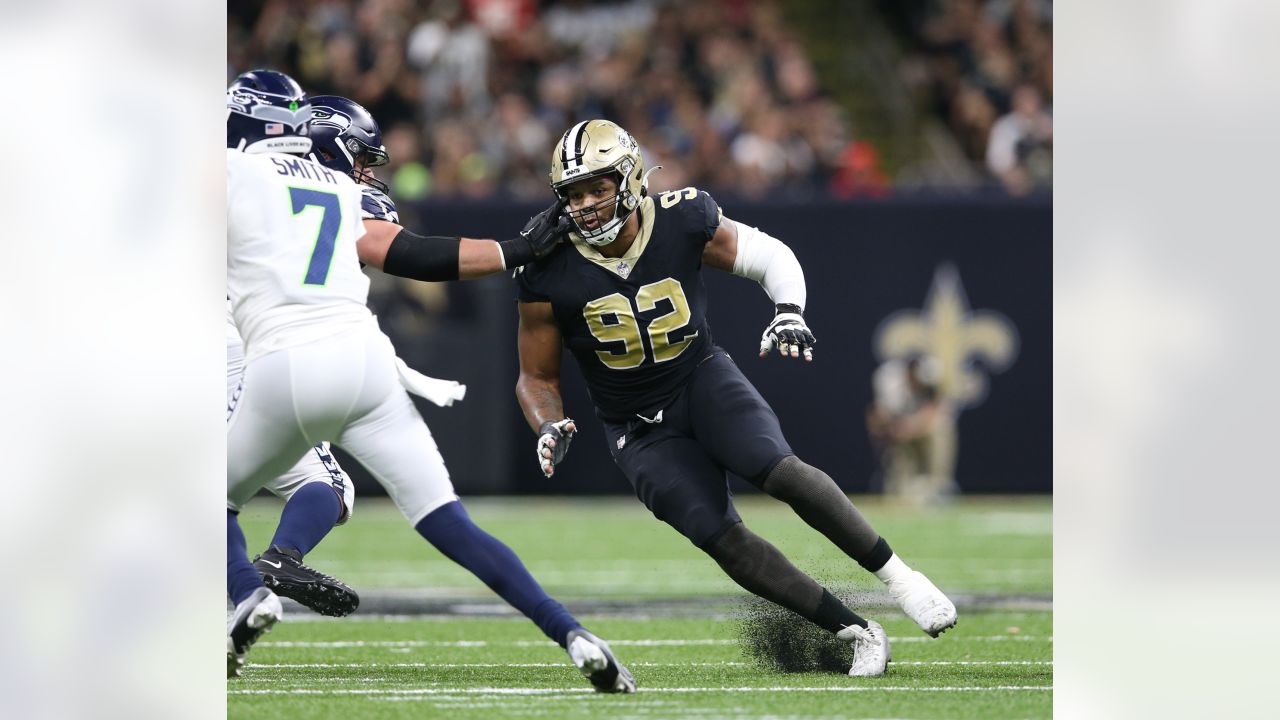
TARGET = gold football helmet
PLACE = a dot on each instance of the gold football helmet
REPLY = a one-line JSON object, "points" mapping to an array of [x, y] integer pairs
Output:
{"points": [[599, 147]]}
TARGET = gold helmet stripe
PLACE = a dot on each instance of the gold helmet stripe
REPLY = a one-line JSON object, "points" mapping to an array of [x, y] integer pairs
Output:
{"points": [[571, 153]]}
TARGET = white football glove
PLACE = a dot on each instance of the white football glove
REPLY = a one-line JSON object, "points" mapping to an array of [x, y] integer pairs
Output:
{"points": [[553, 443], [788, 333]]}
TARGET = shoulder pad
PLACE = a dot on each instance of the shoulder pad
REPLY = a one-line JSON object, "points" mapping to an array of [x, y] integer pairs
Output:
{"points": [[375, 205], [696, 208]]}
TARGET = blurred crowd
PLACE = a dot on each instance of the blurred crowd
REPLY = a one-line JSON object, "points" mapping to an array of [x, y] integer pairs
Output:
{"points": [[472, 94], [987, 68]]}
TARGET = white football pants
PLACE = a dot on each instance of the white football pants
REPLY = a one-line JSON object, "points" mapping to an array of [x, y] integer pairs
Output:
{"points": [[343, 387], [318, 465]]}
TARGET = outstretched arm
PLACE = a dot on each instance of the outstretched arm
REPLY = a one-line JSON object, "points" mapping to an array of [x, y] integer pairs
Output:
{"points": [[403, 253], [420, 257], [748, 252], [538, 388]]}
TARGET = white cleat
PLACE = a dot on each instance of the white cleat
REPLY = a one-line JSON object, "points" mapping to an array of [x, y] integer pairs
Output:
{"points": [[870, 649], [923, 602], [597, 663], [252, 617]]}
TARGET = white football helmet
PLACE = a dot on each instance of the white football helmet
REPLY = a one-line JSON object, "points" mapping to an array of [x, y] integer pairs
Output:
{"points": [[599, 147]]}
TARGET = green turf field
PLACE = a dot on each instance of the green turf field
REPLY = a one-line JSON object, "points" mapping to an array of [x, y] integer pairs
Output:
{"points": [[450, 649]]}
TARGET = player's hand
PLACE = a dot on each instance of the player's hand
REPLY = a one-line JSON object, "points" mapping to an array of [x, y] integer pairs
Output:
{"points": [[553, 443], [789, 334], [545, 230]]}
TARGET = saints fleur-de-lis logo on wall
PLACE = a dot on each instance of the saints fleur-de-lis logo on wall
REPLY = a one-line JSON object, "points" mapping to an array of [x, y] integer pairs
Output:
{"points": [[954, 336]]}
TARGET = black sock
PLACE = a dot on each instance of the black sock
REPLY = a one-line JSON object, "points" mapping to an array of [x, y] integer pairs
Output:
{"points": [[878, 556], [834, 616]]}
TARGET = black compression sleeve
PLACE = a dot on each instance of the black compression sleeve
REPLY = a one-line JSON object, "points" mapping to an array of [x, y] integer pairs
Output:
{"points": [[417, 257], [516, 252]]}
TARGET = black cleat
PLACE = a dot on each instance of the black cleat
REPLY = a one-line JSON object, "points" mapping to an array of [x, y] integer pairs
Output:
{"points": [[593, 657], [282, 571], [252, 617]]}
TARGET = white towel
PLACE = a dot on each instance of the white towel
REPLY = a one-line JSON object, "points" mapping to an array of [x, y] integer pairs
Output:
{"points": [[441, 392]]}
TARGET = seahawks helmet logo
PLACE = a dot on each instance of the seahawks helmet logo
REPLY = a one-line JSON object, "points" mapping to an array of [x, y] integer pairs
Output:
{"points": [[324, 116], [241, 100]]}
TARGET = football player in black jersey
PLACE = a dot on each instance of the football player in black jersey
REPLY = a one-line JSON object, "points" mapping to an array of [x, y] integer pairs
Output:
{"points": [[626, 297]]}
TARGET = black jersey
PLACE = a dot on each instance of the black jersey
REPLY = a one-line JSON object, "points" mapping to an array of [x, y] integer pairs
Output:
{"points": [[637, 324]]}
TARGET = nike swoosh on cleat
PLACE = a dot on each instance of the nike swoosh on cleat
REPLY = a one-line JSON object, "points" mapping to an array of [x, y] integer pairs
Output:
{"points": [[274, 565]]}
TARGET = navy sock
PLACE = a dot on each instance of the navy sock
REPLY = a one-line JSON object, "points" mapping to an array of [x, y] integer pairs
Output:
{"points": [[308, 516], [242, 579], [453, 533]]}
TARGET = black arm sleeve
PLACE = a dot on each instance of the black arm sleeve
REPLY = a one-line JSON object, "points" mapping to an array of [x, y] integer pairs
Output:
{"points": [[516, 252], [416, 257]]}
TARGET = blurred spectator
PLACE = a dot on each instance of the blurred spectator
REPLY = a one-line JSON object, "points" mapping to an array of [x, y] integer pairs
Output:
{"points": [[860, 173], [759, 152], [409, 179], [503, 19], [1020, 149], [718, 92], [452, 54], [970, 58], [595, 28], [913, 430]]}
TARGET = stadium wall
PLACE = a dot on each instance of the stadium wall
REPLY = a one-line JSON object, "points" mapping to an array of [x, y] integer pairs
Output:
{"points": [[974, 273]]}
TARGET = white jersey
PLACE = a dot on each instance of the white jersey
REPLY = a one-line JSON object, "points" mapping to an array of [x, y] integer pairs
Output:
{"points": [[292, 271]]}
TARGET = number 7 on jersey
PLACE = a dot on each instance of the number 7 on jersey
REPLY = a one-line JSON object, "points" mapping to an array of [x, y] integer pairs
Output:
{"points": [[330, 223]]}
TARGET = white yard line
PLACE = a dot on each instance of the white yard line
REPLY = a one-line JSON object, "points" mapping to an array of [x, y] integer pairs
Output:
{"points": [[481, 665], [633, 643], [647, 690], [980, 638], [977, 663]]}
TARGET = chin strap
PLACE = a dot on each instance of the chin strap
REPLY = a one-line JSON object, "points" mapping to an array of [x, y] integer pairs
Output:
{"points": [[644, 179]]}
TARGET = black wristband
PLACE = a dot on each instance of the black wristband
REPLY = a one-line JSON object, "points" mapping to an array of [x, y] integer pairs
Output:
{"points": [[418, 257], [516, 252], [787, 308]]}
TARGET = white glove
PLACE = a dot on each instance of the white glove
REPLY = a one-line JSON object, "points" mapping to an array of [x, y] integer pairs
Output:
{"points": [[553, 443], [788, 333]]}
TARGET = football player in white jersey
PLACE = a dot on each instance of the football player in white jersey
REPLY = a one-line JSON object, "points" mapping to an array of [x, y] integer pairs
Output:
{"points": [[318, 496], [318, 493], [317, 367]]}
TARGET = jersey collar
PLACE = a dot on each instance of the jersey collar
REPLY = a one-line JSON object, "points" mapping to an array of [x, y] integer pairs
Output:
{"points": [[622, 266]]}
